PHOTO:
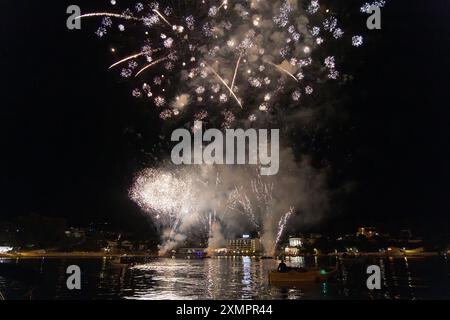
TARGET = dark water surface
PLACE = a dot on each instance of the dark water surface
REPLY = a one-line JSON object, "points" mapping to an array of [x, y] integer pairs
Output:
{"points": [[227, 278]]}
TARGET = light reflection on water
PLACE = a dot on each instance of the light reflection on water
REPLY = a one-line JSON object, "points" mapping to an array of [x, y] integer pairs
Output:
{"points": [[233, 278], [242, 278]]}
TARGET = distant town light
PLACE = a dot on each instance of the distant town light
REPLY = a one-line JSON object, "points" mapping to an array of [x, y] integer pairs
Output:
{"points": [[246, 236]]}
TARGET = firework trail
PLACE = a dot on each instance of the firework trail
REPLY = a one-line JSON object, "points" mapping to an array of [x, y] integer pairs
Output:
{"points": [[240, 203], [151, 65], [253, 201], [282, 225], [256, 203], [109, 15], [226, 85]]}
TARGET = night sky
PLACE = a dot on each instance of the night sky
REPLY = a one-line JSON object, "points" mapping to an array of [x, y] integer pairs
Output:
{"points": [[68, 127]]}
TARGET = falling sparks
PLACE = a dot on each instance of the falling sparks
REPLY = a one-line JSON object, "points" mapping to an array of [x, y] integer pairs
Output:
{"points": [[282, 225]]}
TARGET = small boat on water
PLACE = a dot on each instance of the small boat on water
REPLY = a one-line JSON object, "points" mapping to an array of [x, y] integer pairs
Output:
{"points": [[299, 276]]}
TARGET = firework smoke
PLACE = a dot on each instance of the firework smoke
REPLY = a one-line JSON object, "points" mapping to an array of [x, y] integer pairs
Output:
{"points": [[226, 201]]}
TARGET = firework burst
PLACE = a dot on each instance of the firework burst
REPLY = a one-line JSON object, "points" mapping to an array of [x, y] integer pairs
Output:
{"points": [[225, 56], [187, 203]]}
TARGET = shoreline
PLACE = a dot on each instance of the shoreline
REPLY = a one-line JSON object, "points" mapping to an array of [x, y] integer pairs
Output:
{"points": [[96, 255], [37, 255]]}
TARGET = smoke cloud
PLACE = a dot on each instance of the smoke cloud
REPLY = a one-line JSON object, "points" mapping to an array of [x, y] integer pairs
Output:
{"points": [[222, 202]]}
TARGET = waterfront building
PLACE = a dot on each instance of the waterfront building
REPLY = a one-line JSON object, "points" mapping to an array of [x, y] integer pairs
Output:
{"points": [[244, 245], [367, 232], [295, 244]]}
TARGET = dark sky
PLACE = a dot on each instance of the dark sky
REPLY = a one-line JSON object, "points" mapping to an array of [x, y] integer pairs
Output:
{"points": [[67, 150]]}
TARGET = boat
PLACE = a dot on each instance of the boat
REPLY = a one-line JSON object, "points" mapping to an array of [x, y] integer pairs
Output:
{"points": [[299, 276]]}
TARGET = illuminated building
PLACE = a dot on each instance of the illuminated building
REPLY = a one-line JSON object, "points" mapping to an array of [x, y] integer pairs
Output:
{"points": [[294, 246], [295, 242], [367, 232], [244, 245]]}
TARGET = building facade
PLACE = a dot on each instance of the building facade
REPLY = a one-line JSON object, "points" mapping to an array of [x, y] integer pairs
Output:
{"points": [[244, 246]]}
